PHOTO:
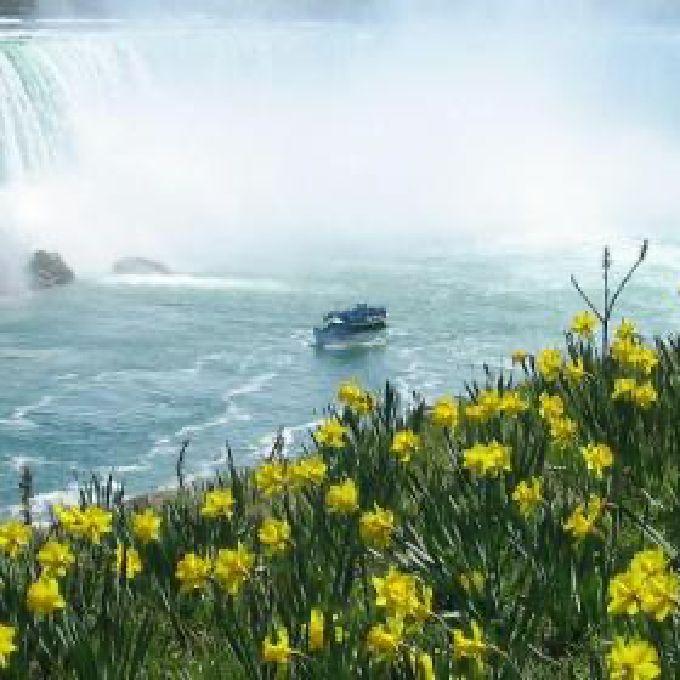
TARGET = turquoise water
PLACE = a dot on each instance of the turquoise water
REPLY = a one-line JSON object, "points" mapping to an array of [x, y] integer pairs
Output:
{"points": [[456, 176], [111, 375]]}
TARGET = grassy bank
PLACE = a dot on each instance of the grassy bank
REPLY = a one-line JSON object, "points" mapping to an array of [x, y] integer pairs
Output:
{"points": [[522, 530]]}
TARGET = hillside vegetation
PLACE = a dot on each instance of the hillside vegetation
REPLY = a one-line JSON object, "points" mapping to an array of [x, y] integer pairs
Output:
{"points": [[529, 529]]}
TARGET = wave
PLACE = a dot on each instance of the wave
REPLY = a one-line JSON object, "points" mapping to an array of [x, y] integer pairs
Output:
{"points": [[18, 420], [252, 386], [198, 282]]}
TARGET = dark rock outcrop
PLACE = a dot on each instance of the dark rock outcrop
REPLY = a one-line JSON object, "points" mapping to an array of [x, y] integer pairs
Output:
{"points": [[46, 270], [140, 265]]}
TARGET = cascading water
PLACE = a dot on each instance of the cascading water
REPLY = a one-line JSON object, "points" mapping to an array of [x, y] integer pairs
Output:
{"points": [[43, 81]]}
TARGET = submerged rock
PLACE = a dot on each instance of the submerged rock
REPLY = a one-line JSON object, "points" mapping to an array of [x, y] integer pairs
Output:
{"points": [[140, 265], [46, 270]]}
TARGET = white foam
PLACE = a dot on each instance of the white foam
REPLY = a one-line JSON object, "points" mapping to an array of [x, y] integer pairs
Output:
{"points": [[254, 385], [18, 419], [198, 282]]}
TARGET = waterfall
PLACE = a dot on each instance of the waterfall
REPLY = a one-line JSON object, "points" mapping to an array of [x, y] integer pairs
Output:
{"points": [[43, 82]]}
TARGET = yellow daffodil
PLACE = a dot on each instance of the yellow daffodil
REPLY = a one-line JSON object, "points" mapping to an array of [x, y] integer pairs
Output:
{"points": [[274, 535], [343, 498], [316, 630], [512, 404], [233, 567], [279, 652], [383, 639], [648, 585], [331, 433], [55, 558], [626, 330], [474, 647], [128, 561], [519, 356], [218, 503], [309, 470], [405, 443], [7, 646], [95, 522], [624, 593], [14, 537], [644, 395], [562, 430], [146, 526], [69, 518], [550, 407], [376, 527], [649, 562], [271, 478], [43, 596], [487, 459], [193, 572], [528, 495], [549, 364], [597, 457], [660, 595], [425, 667], [584, 324], [351, 394], [624, 388], [583, 519], [574, 371], [633, 660], [445, 413], [396, 592]]}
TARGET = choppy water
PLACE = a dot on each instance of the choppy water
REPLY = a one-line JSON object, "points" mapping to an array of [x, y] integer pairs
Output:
{"points": [[307, 167], [113, 374]]}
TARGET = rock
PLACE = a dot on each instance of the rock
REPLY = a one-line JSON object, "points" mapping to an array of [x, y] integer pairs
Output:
{"points": [[140, 265], [48, 269]]}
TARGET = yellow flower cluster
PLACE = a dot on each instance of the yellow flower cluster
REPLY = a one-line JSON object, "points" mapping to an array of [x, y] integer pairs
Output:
{"points": [[231, 569], [43, 596], [55, 558], [405, 443], [584, 324], [397, 593], [331, 433], [472, 647], [491, 403], [562, 428], [14, 537], [352, 395], [648, 585], [343, 498], [487, 459], [633, 660], [383, 639], [128, 561], [218, 503], [642, 394], [630, 353], [376, 527], [528, 495], [274, 477], [584, 518], [597, 457], [146, 526], [274, 535], [91, 523], [7, 646], [549, 364], [277, 651], [445, 413]]}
